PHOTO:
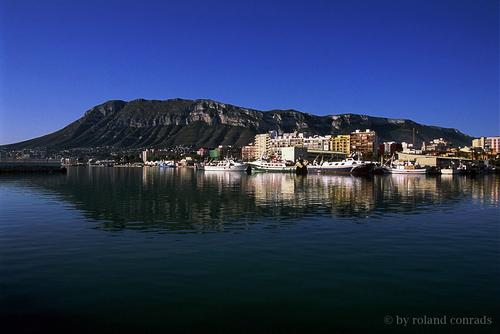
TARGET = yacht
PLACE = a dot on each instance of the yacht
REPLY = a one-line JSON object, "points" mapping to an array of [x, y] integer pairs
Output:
{"points": [[227, 165]]}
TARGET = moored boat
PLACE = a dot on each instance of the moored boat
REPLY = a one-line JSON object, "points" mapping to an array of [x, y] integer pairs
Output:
{"points": [[406, 168], [167, 164], [346, 166], [271, 166], [227, 165], [380, 170], [449, 171]]}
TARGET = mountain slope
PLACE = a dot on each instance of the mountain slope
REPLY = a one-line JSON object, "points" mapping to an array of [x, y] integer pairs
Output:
{"points": [[155, 123]]}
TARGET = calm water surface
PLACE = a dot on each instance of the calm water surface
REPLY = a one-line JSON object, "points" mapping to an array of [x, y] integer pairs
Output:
{"points": [[132, 249]]}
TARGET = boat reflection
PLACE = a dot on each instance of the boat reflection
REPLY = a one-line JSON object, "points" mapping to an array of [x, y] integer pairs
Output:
{"points": [[184, 200]]}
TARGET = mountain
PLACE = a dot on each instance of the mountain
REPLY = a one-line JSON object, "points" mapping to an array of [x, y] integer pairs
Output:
{"points": [[154, 123]]}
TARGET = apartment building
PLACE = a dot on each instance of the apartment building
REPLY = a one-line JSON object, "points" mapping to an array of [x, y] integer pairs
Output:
{"points": [[364, 142], [341, 143], [491, 144]]}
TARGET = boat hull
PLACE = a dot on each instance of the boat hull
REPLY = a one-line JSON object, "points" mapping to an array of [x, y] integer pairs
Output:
{"points": [[419, 171], [380, 170], [358, 170], [331, 170], [273, 169], [362, 170], [241, 168]]}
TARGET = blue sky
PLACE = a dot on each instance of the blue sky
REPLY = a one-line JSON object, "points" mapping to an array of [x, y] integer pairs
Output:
{"points": [[435, 62]]}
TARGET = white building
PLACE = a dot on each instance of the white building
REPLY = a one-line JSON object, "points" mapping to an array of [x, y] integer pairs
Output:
{"points": [[408, 148], [291, 153], [146, 154], [268, 144], [297, 139]]}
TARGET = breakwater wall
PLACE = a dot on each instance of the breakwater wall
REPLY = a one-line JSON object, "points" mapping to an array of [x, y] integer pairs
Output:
{"points": [[43, 167]]}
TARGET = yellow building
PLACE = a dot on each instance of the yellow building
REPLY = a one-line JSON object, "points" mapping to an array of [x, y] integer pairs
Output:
{"points": [[479, 142], [341, 143]]}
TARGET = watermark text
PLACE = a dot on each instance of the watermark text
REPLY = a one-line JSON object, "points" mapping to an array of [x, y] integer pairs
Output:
{"points": [[440, 320]]}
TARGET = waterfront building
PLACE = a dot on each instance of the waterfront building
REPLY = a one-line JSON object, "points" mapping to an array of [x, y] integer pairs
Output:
{"points": [[296, 139], [146, 154], [488, 144], [409, 148], [249, 152], [291, 153], [436, 145], [430, 160], [479, 143], [229, 151], [341, 143], [269, 144], [318, 143], [287, 140], [494, 144], [262, 144], [364, 142], [389, 148]]}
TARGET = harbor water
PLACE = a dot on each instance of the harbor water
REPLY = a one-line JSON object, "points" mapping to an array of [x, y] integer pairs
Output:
{"points": [[159, 250]]}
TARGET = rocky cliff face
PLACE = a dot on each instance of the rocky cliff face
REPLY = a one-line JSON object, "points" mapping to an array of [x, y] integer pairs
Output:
{"points": [[154, 123]]}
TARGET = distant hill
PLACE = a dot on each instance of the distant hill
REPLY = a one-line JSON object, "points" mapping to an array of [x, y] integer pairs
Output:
{"points": [[154, 123]]}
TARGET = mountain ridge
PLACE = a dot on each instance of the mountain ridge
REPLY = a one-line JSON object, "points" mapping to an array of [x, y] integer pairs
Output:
{"points": [[143, 123]]}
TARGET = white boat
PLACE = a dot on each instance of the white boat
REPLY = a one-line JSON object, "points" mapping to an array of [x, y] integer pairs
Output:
{"points": [[347, 166], [270, 166], [167, 164], [449, 171], [406, 168], [227, 165]]}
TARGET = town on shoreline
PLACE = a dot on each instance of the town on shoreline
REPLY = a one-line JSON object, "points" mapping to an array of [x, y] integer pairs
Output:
{"points": [[275, 146]]}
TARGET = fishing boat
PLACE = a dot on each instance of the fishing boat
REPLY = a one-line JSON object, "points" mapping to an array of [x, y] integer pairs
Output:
{"points": [[315, 165], [406, 167], [272, 166], [346, 166], [380, 169], [227, 165], [472, 168], [449, 171]]}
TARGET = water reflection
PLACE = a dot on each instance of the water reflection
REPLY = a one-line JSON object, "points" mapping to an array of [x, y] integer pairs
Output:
{"points": [[184, 200]]}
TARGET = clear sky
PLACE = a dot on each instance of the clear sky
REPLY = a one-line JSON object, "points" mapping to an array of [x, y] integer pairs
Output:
{"points": [[435, 61]]}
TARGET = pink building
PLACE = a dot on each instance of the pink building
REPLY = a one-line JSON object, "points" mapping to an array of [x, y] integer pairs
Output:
{"points": [[494, 144], [249, 152], [202, 151]]}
